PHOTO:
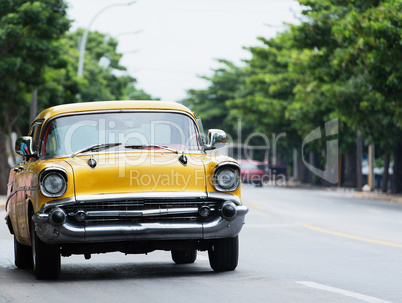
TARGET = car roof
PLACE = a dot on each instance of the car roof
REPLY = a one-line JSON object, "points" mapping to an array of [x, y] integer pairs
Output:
{"points": [[111, 105]]}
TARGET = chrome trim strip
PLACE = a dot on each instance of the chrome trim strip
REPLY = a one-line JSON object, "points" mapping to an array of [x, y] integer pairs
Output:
{"points": [[226, 163], [145, 195], [150, 195], [57, 203], [38, 217], [225, 197], [25, 188], [10, 196], [142, 213]]}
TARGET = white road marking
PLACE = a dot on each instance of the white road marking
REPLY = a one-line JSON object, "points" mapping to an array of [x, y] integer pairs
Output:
{"points": [[348, 293]]}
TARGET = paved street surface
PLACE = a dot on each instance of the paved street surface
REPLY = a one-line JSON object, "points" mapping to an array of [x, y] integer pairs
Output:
{"points": [[298, 245]]}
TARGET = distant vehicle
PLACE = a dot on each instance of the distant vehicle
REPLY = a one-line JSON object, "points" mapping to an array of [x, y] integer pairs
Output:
{"points": [[378, 173], [252, 171]]}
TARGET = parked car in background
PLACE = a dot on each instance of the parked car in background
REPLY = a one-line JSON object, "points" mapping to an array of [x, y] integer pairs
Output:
{"points": [[128, 176], [252, 171]]}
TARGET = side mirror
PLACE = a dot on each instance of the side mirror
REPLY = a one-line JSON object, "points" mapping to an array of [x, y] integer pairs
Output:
{"points": [[216, 139], [23, 146]]}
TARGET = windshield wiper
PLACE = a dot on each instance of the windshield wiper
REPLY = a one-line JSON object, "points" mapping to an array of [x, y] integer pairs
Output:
{"points": [[96, 147], [151, 145]]}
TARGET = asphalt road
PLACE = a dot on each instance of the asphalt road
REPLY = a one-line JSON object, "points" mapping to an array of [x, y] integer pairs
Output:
{"points": [[297, 246]]}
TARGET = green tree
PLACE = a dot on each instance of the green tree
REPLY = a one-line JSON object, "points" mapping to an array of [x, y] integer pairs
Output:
{"points": [[354, 69], [271, 84], [370, 40], [211, 103], [342, 61], [104, 77], [29, 40]]}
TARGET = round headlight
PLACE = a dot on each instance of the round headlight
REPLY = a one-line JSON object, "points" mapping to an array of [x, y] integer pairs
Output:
{"points": [[226, 179], [53, 185]]}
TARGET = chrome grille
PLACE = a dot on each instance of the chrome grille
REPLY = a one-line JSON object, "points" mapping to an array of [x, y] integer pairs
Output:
{"points": [[112, 207]]}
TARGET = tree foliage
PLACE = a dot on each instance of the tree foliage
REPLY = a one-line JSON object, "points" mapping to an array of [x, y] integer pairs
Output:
{"points": [[342, 61], [225, 84], [29, 41], [38, 53], [30, 33], [104, 77]]}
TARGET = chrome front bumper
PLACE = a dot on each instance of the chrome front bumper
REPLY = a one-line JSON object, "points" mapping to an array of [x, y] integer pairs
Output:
{"points": [[97, 232]]}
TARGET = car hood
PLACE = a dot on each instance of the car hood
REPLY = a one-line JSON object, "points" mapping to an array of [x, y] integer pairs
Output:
{"points": [[147, 171]]}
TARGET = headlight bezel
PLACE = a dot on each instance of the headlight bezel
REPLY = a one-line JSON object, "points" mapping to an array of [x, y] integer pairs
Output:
{"points": [[232, 166], [45, 174]]}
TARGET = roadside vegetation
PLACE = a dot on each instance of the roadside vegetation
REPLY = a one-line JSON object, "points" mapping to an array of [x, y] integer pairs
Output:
{"points": [[342, 61]]}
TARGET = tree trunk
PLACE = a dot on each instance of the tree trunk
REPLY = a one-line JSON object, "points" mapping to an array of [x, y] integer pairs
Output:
{"points": [[350, 170], [303, 171], [310, 173], [4, 167], [385, 175], [397, 178], [312, 177]]}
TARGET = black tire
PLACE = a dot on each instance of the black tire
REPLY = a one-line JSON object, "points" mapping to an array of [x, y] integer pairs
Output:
{"points": [[46, 257], [224, 254], [22, 255], [184, 256]]}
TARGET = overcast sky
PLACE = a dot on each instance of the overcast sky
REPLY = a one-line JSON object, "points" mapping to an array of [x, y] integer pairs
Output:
{"points": [[180, 39]]}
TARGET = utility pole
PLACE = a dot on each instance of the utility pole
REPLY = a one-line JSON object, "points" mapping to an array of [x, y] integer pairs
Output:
{"points": [[83, 43]]}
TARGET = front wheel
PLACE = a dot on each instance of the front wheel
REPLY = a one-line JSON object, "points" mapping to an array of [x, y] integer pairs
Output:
{"points": [[224, 254], [46, 257], [22, 255], [184, 256]]}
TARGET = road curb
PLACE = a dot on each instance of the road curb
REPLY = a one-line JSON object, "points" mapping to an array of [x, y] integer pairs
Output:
{"points": [[397, 198], [378, 196]]}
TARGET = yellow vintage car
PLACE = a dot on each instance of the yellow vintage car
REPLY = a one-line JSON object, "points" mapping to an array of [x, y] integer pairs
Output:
{"points": [[128, 176]]}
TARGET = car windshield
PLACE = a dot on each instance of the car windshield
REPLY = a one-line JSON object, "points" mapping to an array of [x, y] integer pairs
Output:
{"points": [[67, 135]]}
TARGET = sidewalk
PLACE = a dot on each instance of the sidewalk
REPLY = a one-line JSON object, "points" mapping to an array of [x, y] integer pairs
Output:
{"points": [[352, 192], [378, 196], [3, 200]]}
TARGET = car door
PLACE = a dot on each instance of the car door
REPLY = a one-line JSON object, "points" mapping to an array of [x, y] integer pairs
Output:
{"points": [[23, 183]]}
